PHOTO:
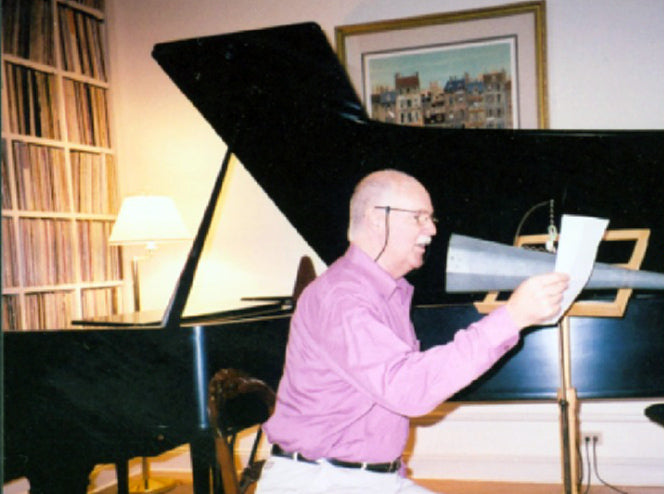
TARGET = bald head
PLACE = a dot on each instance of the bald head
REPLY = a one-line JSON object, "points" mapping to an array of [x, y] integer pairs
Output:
{"points": [[391, 220], [372, 190], [379, 188]]}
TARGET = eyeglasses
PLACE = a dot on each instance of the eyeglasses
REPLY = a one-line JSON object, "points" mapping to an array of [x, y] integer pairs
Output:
{"points": [[422, 217]]}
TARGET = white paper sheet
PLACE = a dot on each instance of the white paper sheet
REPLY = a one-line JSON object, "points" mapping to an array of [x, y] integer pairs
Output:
{"points": [[577, 249]]}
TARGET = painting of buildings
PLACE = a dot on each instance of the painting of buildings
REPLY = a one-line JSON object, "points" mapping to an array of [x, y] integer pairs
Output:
{"points": [[469, 85]]}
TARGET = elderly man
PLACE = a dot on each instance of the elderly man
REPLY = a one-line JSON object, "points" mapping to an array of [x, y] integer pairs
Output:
{"points": [[354, 373]]}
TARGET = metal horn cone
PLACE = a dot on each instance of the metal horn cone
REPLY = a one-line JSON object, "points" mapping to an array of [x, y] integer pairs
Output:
{"points": [[475, 265]]}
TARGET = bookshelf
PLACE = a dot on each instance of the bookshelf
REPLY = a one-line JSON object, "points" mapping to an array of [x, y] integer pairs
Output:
{"points": [[59, 175]]}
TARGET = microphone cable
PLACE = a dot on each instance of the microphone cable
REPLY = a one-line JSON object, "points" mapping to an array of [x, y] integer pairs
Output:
{"points": [[587, 490], [387, 232], [552, 231], [612, 487]]}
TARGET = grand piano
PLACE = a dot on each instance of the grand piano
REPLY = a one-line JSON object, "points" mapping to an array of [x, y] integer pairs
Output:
{"points": [[281, 101]]}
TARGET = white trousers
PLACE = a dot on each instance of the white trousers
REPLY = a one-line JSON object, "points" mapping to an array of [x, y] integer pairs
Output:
{"points": [[283, 475]]}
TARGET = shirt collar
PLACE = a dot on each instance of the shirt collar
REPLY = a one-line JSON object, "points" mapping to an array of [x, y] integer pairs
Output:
{"points": [[381, 279]]}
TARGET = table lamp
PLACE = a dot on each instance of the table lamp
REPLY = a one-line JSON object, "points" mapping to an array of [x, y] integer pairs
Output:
{"points": [[146, 220]]}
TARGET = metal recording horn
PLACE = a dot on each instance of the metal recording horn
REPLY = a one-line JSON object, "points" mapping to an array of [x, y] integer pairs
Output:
{"points": [[475, 265]]}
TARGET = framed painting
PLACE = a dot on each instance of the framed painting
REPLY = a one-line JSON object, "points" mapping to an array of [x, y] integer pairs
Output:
{"points": [[482, 68]]}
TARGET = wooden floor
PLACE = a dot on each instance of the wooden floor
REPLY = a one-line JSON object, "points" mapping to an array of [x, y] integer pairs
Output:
{"points": [[469, 487]]}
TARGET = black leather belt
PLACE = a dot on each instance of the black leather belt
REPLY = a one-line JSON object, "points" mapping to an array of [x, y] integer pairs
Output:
{"points": [[277, 451], [390, 467], [371, 467]]}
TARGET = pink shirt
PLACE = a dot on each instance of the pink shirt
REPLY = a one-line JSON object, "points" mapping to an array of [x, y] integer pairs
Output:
{"points": [[354, 372]]}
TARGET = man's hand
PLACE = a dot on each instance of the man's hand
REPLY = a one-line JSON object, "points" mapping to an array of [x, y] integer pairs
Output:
{"points": [[537, 299]]}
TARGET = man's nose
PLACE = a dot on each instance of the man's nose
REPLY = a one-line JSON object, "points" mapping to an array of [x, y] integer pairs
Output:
{"points": [[431, 227]]}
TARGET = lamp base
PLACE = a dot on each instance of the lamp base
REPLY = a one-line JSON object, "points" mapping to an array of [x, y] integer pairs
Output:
{"points": [[151, 486]]}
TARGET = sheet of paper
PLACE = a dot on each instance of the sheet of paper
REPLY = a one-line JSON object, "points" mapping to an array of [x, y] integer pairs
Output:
{"points": [[577, 249]]}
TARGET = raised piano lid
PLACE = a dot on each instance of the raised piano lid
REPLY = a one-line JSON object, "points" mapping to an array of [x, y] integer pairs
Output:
{"points": [[281, 100]]}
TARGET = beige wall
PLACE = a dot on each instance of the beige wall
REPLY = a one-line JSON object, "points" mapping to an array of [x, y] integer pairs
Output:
{"points": [[604, 71]]}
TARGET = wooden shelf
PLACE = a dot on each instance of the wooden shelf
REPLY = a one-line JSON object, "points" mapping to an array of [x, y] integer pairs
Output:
{"points": [[59, 175]]}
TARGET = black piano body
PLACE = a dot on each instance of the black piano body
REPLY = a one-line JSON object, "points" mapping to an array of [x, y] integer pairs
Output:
{"points": [[81, 397], [77, 398], [282, 103]]}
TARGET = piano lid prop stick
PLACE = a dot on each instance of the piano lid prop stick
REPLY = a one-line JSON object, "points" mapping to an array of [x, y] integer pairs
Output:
{"points": [[175, 308]]}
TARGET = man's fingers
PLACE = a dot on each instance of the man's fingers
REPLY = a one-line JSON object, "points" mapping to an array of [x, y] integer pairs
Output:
{"points": [[538, 298]]}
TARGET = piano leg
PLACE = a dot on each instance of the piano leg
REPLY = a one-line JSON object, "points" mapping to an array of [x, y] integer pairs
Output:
{"points": [[122, 474], [202, 461]]}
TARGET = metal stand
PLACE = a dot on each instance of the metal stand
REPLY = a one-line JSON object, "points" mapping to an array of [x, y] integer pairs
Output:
{"points": [[145, 485], [569, 423], [567, 395], [136, 283]]}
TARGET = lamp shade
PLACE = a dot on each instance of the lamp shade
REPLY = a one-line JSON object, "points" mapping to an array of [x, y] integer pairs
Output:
{"points": [[148, 219]]}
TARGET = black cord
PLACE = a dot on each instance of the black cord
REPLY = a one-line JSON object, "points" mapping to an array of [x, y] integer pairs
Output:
{"points": [[387, 232], [589, 469], [525, 217], [614, 488]]}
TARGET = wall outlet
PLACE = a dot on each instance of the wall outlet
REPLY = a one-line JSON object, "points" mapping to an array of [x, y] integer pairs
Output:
{"points": [[591, 438]]}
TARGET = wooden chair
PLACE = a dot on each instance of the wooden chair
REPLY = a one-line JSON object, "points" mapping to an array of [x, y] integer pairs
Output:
{"points": [[237, 402]]}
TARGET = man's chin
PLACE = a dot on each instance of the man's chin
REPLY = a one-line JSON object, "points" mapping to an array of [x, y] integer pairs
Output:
{"points": [[418, 262]]}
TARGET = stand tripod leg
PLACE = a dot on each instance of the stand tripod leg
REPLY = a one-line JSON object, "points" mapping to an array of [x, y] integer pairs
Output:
{"points": [[147, 485], [569, 425], [569, 441]]}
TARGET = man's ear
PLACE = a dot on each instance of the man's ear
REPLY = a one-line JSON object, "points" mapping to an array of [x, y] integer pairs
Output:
{"points": [[376, 219]]}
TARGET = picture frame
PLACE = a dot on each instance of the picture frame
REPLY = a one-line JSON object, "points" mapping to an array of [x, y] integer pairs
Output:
{"points": [[482, 68]]}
